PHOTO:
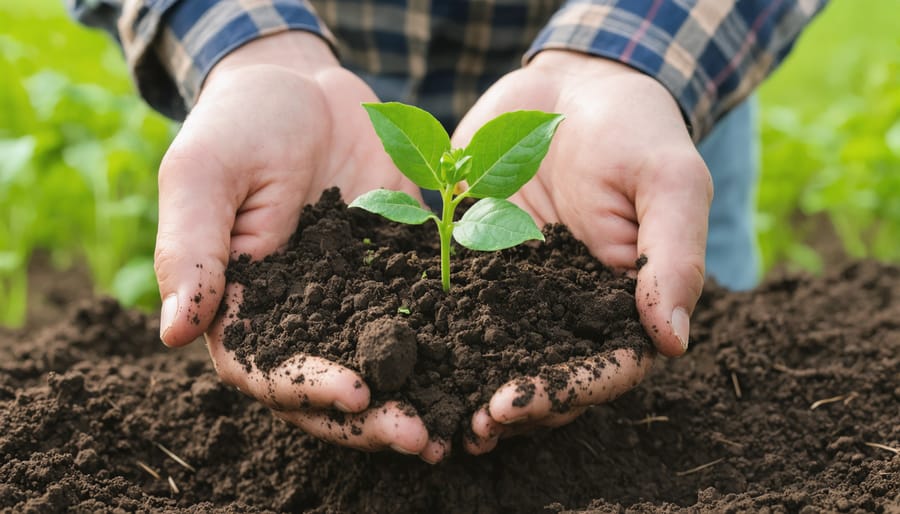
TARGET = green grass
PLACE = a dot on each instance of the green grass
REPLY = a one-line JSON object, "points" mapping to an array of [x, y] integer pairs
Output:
{"points": [[831, 139], [78, 157]]}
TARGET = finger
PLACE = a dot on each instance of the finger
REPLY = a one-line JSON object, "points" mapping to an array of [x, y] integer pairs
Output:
{"points": [[196, 213], [673, 212], [608, 225], [485, 435], [387, 426], [554, 419], [435, 451], [551, 420], [594, 381], [299, 382]]}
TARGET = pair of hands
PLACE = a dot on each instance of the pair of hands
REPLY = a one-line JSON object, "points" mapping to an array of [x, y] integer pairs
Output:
{"points": [[278, 121]]}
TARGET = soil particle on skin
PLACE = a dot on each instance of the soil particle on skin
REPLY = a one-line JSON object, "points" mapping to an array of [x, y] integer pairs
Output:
{"points": [[85, 402], [640, 262]]}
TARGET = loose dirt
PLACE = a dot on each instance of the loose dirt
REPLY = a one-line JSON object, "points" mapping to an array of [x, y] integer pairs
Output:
{"points": [[365, 292], [787, 401]]}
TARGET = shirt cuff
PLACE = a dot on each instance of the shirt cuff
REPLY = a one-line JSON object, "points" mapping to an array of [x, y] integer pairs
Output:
{"points": [[708, 54], [172, 45]]}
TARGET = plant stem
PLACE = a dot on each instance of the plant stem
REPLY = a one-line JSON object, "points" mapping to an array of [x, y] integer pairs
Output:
{"points": [[445, 229]]}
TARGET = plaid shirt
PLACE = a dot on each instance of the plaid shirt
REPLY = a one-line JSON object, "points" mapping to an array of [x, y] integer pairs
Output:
{"points": [[710, 54]]}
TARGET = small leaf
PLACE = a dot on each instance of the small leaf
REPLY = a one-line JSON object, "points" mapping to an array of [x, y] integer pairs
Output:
{"points": [[15, 154], [413, 138], [507, 151], [393, 205], [495, 224]]}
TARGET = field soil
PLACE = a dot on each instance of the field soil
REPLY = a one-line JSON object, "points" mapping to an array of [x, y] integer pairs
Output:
{"points": [[787, 401]]}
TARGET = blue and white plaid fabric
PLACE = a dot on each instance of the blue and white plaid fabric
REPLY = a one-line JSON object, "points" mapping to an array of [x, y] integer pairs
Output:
{"points": [[709, 53]]}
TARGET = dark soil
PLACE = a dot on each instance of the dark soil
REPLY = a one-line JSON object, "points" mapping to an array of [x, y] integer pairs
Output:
{"points": [[83, 404], [352, 279]]}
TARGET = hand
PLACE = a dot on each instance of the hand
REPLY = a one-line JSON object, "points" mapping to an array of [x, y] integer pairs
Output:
{"points": [[277, 122], [625, 177]]}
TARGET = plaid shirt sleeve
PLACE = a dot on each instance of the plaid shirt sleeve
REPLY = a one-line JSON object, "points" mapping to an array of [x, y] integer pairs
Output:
{"points": [[710, 54], [171, 45]]}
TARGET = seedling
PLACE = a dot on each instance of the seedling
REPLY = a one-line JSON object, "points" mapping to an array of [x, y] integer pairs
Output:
{"points": [[502, 156]]}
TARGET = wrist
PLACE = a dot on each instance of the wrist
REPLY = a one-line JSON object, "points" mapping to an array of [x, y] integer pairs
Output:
{"points": [[296, 51], [567, 64], [575, 70]]}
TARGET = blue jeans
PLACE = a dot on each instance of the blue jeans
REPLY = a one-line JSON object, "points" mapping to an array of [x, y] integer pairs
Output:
{"points": [[731, 152]]}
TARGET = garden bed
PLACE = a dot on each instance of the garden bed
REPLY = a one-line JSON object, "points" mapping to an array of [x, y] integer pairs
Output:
{"points": [[786, 400]]}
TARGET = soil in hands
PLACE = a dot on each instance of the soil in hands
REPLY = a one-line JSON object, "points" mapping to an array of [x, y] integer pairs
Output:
{"points": [[729, 428], [364, 292]]}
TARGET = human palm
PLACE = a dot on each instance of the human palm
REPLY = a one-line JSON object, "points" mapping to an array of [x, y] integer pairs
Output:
{"points": [[626, 179], [262, 142]]}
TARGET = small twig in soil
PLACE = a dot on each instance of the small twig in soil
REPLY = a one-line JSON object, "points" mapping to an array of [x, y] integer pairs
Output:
{"points": [[173, 486], [884, 447], [589, 448], [833, 399], [649, 420], [112, 403], [151, 387], [850, 397], [176, 458], [726, 441], [800, 373], [737, 385], [699, 468], [148, 469]]}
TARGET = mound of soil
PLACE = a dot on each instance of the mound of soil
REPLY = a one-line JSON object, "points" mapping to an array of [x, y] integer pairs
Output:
{"points": [[365, 292], [786, 402]]}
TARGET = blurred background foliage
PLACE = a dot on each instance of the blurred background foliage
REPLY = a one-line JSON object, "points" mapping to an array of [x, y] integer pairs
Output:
{"points": [[831, 141], [78, 158], [79, 151]]}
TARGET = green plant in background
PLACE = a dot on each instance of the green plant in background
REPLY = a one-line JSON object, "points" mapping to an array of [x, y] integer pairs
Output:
{"points": [[78, 158], [502, 156], [831, 140]]}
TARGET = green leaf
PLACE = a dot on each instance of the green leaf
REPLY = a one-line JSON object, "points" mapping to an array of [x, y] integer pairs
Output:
{"points": [[413, 138], [15, 155], [507, 151], [495, 224], [393, 205]]}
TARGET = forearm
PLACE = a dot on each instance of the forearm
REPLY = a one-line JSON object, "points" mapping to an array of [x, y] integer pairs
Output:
{"points": [[709, 56]]}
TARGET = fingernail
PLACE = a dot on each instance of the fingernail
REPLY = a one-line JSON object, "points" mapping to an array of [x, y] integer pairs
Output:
{"points": [[514, 420], [341, 407], [167, 315], [402, 450], [681, 325]]}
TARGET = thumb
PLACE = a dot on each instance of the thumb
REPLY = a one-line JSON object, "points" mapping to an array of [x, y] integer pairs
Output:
{"points": [[196, 213], [673, 213]]}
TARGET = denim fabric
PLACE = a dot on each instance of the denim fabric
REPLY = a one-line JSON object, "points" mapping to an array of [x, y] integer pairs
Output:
{"points": [[731, 152]]}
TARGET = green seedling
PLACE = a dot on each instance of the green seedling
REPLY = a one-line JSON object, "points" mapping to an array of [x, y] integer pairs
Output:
{"points": [[502, 156]]}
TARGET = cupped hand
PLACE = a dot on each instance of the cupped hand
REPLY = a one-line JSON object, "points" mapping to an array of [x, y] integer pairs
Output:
{"points": [[625, 177], [277, 122]]}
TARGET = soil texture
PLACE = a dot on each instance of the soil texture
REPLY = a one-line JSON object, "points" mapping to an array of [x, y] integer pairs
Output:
{"points": [[786, 402], [365, 292]]}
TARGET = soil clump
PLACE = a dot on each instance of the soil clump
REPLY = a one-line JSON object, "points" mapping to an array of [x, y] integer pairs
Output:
{"points": [[349, 278], [786, 402]]}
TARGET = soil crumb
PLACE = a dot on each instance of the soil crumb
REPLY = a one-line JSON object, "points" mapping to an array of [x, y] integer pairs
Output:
{"points": [[349, 279], [85, 403]]}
